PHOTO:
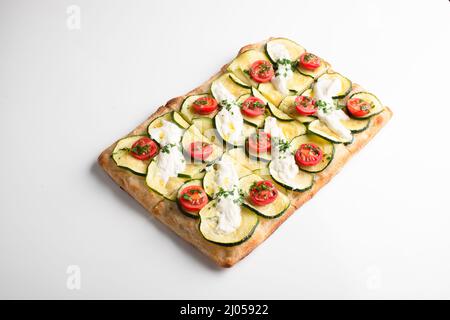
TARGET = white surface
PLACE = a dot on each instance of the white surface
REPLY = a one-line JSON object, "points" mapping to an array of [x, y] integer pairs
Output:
{"points": [[380, 229]]}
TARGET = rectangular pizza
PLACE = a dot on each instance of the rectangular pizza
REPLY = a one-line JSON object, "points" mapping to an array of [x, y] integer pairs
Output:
{"points": [[226, 164]]}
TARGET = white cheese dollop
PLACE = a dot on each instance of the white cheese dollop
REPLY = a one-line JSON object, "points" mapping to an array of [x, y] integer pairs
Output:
{"points": [[283, 161], [281, 56], [170, 159], [168, 133], [228, 204], [170, 162], [229, 117], [324, 90]]}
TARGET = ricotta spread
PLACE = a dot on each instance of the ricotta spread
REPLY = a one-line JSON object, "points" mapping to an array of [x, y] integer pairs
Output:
{"points": [[283, 161], [228, 198], [281, 56], [324, 90], [229, 117], [170, 160]]}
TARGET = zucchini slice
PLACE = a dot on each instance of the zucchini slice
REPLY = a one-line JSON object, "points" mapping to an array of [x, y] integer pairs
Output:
{"points": [[188, 112], [346, 84], [179, 120], [297, 85], [199, 176], [326, 146], [292, 129], [193, 134], [238, 81], [356, 125], [322, 130], [209, 217], [302, 181], [157, 122], [247, 130], [209, 180], [121, 155], [271, 210], [167, 190], [207, 129], [377, 106], [288, 107], [195, 182], [257, 121], [235, 89], [295, 50], [240, 156], [277, 113], [192, 170], [240, 66], [316, 73]]}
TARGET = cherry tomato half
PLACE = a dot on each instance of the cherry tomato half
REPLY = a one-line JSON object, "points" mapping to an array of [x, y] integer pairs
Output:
{"points": [[308, 154], [262, 193], [261, 71], [358, 107], [259, 142], [144, 148], [193, 198], [305, 106], [253, 107], [205, 105], [200, 150], [309, 61]]}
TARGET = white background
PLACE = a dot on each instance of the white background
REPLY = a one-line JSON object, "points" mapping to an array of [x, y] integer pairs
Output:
{"points": [[380, 229]]}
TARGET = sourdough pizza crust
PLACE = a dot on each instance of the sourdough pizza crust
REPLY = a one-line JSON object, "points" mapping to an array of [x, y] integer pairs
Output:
{"points": [[187, 228]]}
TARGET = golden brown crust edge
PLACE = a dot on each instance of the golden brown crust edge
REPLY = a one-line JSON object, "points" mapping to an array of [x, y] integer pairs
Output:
{"points": [[187, 228]]}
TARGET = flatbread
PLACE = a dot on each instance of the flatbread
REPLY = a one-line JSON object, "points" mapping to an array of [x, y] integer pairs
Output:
{"points": [[187, 228]]}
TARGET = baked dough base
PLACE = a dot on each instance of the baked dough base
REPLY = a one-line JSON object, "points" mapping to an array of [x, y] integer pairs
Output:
{"points": [[187, 228]]}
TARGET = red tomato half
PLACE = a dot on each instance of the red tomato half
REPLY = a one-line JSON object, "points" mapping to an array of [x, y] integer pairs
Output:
{"points": [[204, 105], [358, 107], [309, 61], [193, 198], [200, 150], [262, 193], [261, 71], [253, 107], [259, 142], [308, 154], [305, 106], [144, 148]]}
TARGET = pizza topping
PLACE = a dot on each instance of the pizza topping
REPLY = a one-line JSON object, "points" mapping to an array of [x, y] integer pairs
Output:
{"points": [[229, 120], [324, 90], [144, 149], [358, 107], [200, 150], [309, 61], [283, 74], [283, 161], [259, 142], [170, 160], [228, 196], [253, 107], [305, 106], [308, 154], [262, 193], [261, 71], [193, 198], [204, 105]]}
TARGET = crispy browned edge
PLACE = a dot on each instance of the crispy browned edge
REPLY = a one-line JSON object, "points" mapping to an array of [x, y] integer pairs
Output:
{"points": [[187, 228]]}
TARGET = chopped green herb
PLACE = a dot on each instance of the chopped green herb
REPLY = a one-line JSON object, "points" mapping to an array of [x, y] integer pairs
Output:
{"points": [[283, 145], [166, 148]]}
